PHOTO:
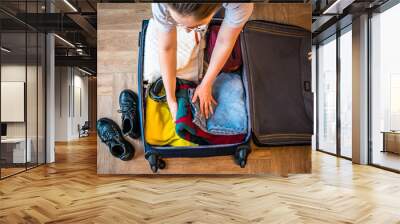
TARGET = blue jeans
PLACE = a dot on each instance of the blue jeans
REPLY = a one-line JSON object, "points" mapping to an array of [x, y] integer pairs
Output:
{"points": [[230, 115]]}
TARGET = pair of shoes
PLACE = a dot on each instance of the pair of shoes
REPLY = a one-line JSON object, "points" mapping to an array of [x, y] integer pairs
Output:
{"points": [[111, 134]]}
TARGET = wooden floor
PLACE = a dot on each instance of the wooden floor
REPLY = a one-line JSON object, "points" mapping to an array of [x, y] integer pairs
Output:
{"points": [[70, 191], [386, 159], [11, 170]]}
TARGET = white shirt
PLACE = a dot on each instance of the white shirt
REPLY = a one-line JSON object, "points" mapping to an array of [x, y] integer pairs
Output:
{"points": [[236, 15]]}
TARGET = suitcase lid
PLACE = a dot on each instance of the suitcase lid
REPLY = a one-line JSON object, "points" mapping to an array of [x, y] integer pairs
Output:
{"points": [[275, 63]]}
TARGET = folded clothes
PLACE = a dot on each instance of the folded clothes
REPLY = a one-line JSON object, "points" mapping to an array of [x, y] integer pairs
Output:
{"points": [[198, 118], [230, 116], [190, 52], [159, 126], [184, 125]]}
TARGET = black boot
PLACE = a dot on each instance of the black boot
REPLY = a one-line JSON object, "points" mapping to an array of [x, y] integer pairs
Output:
{"points": [[128, 103], [110, 134]]}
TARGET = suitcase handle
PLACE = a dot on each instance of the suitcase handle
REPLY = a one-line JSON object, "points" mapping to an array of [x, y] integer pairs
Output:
{"points": [[307, 86], [140, 34]]}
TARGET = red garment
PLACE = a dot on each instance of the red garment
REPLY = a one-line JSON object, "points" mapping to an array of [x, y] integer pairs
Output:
{"points": [[209, 138], [235, 59]]}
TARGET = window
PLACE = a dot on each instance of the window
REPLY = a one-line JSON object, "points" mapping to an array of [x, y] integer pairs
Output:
{"points": [[326, 91], [346, 92], [385, 89], [334, 65], [394, 102]]}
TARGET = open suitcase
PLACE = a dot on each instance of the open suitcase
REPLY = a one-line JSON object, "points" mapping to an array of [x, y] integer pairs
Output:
{"points": [[276, 74]]}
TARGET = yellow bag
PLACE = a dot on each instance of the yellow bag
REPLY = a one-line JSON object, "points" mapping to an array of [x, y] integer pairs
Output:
{"points": [[159, 126]]}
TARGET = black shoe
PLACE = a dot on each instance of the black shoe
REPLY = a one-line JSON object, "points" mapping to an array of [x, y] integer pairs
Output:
{"points": [[110, 134], [128, 103]]}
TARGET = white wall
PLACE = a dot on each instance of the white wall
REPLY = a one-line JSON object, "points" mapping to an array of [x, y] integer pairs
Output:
{"points": [[69, 82], [11, 73], [62, 81], [82, 82], [33, 126]]}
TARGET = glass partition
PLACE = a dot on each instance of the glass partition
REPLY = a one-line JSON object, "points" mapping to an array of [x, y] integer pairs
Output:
{"points": [[13, 95], [22, 78]]}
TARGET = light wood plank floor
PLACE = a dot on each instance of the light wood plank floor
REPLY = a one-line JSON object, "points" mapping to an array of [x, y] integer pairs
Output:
{"points": [[70, 191], [387, 159]]}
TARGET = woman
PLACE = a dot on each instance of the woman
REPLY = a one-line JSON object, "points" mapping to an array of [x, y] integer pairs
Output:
{"points": [[195, 16]]}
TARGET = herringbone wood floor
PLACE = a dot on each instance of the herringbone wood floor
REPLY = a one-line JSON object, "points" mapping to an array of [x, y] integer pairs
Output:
{"points": [[69, 191]]}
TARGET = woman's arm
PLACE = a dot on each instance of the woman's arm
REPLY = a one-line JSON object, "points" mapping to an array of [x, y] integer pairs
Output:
{"points": [[167, 57], [226, 39]]}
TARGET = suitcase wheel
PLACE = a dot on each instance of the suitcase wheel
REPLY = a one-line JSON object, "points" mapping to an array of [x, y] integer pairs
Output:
{"points": [[155, 162], [154, 168], [161, 164], [241, 155]]}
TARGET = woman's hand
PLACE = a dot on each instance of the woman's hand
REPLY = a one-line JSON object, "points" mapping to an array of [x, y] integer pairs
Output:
{"points": [[173, 107], [224, 44], [204, 93]]}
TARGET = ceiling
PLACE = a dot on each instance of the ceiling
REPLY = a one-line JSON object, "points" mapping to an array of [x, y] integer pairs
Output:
{"points": [[74, 22], [332, 15]]}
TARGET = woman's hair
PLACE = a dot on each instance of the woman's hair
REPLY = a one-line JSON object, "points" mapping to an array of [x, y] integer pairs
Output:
{"points": [[197, 10]]}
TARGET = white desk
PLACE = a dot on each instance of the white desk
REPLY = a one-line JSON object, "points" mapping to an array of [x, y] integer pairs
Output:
{"points": [[18, 144]]}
